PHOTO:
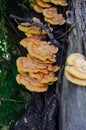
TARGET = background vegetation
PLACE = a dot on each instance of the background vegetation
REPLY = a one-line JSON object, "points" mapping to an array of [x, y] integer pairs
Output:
{"points": [[12, 99]]}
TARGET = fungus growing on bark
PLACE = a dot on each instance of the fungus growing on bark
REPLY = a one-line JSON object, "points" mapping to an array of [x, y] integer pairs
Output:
{"points": [[30, 65], [50, 12], [26, 40], [73, 57], [42, 50], [75, 70], [31, 83], [73, 79], [44, 78], [28, 29], [56, 20], [43, 4], [59, 2], [37, 8]]}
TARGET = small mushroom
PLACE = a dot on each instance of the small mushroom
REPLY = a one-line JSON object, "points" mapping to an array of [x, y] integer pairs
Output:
{"points": [[23, 27], [50, 12], [75, 71], [59, 2], [37, 8], [31, 83], [73, 57], [57, 20], [43, 4], [74, 80], [26, 41]]}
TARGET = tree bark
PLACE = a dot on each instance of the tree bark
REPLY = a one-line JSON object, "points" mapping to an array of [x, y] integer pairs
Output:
{"points": [[73, 97]]}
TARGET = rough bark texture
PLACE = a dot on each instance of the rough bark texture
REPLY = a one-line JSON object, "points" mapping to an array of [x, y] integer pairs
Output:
{"points": [[73, 97]]}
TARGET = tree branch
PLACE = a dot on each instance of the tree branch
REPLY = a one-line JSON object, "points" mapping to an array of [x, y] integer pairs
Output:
{"points": [[46, 28]]}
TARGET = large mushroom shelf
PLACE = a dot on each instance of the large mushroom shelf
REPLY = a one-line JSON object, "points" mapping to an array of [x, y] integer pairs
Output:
{"points": [[36, 69]]}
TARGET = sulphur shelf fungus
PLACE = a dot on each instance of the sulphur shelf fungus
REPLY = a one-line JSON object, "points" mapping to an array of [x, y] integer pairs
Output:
{"points": [[50, 12], [30, 83], [75, 71], [42, 4], [26, 40], [30, 65], [42, 50], [57, 19], [28, 29], [37, 8], [59, 2]]}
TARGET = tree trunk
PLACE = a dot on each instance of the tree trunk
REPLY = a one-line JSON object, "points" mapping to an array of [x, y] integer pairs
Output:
{"points": [[43, 112], [73, 97]]}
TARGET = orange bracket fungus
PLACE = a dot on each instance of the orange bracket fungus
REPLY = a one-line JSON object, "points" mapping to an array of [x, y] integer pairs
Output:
{"points": [[42, 50], [75, 71], [50, 12], [31, 83], [59, 2], [37, 8], [51, 16]]}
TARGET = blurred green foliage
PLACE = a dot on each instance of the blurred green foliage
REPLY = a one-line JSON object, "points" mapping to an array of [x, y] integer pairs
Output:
{"points": [[12, 104]]}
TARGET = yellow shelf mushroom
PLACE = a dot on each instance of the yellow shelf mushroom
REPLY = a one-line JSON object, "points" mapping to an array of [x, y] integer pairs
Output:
{"points": [[75, 71]]}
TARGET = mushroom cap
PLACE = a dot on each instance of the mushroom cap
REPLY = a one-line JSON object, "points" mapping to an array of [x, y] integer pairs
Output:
{"points": [[50, 12], [73, 79], [49, 78], [43, 4], [37, 8], [74, 71], [26, 41], [44, 78], [30, 83], [40, 61], [42, 50], [59, 2], [57, 20], [30, 65], [23, 26], [73, 57]]}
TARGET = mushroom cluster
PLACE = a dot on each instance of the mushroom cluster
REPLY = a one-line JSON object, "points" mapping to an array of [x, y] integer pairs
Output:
{"points": [[36, 69], [50, 13], [29, 30], [51, 16], [75, 71]]}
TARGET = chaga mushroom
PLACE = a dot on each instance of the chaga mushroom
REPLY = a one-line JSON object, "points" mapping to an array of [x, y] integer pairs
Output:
{"points": [[50, 12], [59, 2], [42, 50], [30, 83], [57, 20], [37, 8], [74, 80], [76, 69], [30, 65], [26, 41]]}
